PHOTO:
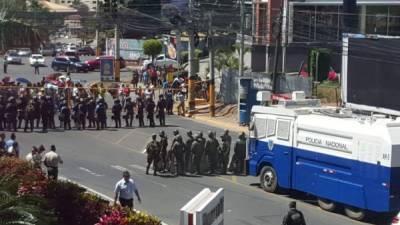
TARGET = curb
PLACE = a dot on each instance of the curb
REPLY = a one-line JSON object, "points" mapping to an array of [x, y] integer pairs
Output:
{"points": [[220, 124], [88, 189]]}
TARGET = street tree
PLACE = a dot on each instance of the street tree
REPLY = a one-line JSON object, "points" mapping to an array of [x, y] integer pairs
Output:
{"points": [[152, 47]]}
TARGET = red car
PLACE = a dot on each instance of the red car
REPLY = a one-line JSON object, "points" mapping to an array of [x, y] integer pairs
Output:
{"points": [[94, 64]]}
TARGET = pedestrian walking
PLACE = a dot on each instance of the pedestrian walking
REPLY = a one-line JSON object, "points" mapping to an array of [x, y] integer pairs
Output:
{"points": [[180, 98], [153, 154], [51, 161], [34, 158], [294, 216], [161, 106], [36, 65], [124, 190], [5, 64]]}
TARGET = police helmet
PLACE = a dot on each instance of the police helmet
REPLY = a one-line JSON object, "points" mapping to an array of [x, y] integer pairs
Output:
{"points": [[154, 136], [210, 134], [176, 132], [200, 134], [162, 133], [226, 131], [179, 138], [161, 96], [189, 133], [242, 136]]}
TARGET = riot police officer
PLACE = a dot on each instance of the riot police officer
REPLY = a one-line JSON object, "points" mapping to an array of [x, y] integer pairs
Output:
{"points": [[2, 112], [82, 113], [116, 110], [101, 116], [51, 112], [21, 109], [29, 116], [239, 154], [212, 152], [161, 105], [65, 114], [129, 112], [11, 114], [150, 111], [225, 150], [188, 151], [178, 149], [197, 151], [44, 109], [163, 147], [140, 115], [36, 105], [91, 106], [153, 152]]}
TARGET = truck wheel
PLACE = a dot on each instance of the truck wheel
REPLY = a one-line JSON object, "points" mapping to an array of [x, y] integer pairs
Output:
{"points": [[326, 204], [269, 179], [354, 213]]}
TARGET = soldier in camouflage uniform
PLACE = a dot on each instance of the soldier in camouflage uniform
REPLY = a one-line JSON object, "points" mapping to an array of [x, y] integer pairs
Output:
{"points": [[153, 153], [188, 152], [225, 150], [212, 152], [163, 147]]}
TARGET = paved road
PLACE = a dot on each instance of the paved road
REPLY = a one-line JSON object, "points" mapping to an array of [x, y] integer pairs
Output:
{"points": [[26, 71], [96, 159]]}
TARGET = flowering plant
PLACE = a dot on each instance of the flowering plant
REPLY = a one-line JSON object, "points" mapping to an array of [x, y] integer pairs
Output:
{"points": [[116, 217]]}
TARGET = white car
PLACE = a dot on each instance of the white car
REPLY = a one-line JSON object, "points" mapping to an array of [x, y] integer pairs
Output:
{"points": [[24, 52], [161, 61], [36, 58], [13, 58]]}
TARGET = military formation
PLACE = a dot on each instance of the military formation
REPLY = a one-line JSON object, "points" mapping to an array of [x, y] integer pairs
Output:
{"points": [[196, 155], [40, 112]]}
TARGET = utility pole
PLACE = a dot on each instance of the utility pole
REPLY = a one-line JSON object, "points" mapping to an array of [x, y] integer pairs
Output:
{"points": [[97, 29], [191, 97], [241, 54], [284, 33], [277, 33], [212, 71], [117, 61]]}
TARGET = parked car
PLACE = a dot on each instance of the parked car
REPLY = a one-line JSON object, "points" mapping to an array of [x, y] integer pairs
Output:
{"points": [[24, 52], [65, 62], [36, 58], [161, 61], [86, 50], [94, 64], [13, 58]]}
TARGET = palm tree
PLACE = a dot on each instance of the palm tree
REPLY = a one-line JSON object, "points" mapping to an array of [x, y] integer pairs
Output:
{"points": [[13, 211]]}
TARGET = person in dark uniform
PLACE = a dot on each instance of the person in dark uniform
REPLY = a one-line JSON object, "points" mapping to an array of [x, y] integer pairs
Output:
{"points": [[11, 114], [29, 116], [188, 152], [101, 116], [178, 149], [169, 98], [36, 65], [51, 112], [197, 151], [65, 113], [294, 216], [2, 112], [163, 147], [153, 153], [5, 64], [82, 113], [212, 152], [239, 154], [161, 106], [44, 113], [150, 111], [116, 110], [129, 112], [140, 115], [75, 114], [36, 105], [225, 151], [91, 106], [21, 109]]}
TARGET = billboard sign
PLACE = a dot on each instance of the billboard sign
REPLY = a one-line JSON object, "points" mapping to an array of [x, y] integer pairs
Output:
{"points": [[370, 73], [106, 69], [130, 49], [206, 208]]}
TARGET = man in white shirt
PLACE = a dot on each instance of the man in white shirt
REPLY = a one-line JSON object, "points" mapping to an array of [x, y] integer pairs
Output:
{"points": [[124, 190], [51, 161]]}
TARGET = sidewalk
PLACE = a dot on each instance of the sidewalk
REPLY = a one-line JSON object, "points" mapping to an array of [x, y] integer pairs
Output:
{"points": [[225, 118]]}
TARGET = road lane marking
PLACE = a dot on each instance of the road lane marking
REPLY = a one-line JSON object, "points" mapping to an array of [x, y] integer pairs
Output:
{"points": [[90, 172], [124, 137], [120, 168], [139, 167], [143, 169]]}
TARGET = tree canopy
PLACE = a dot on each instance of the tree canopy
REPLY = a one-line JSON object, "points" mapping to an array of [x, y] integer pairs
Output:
{"points": [[152, 47]]}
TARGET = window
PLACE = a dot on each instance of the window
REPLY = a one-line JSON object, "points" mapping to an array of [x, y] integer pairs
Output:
{"points": [[376, 21], [271, 125], [260, 127], [283, 130], [394, 20]]}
